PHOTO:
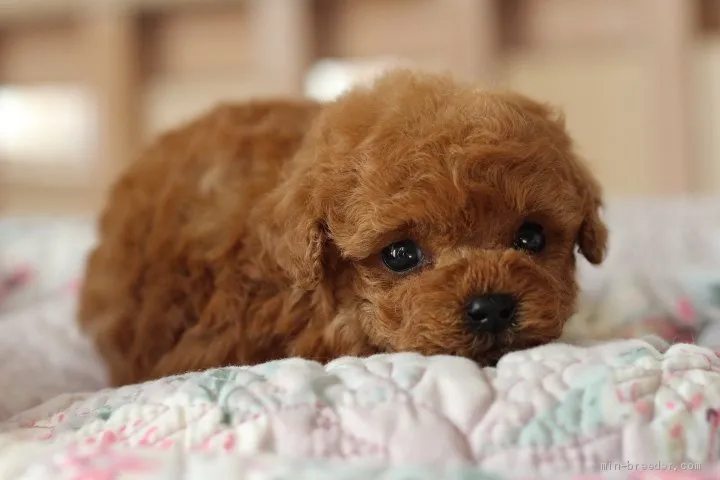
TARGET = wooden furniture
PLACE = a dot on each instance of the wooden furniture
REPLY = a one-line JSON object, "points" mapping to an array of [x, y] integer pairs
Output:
{"points": [[143, 65]]}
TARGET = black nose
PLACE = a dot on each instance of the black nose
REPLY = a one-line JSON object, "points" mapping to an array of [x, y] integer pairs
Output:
{"points": [[490, 313]]}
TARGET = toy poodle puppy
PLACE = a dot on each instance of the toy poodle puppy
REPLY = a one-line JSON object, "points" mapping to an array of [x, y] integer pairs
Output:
{"points": [[416, 214]]}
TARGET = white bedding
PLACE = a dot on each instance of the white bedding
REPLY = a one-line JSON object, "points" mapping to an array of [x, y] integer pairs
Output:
{"points": [[42, 355], [550, 410]]}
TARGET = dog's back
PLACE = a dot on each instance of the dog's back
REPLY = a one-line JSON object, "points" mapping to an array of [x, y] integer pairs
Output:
{"points": [[174, 215]]}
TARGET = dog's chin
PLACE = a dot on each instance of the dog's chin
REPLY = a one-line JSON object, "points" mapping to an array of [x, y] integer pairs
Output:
{"points": [[491, 348], [443, 336], [521, 338], [503, 344], [484, 349]]}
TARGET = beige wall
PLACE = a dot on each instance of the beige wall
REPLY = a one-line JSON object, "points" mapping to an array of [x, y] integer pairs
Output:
{"points": [[606, 106], [706, 118], [621, 69], [603, 94], [609, 111]]}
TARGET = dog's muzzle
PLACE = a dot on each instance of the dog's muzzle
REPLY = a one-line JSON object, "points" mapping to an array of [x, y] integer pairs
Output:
{"points": [[490, 313]]}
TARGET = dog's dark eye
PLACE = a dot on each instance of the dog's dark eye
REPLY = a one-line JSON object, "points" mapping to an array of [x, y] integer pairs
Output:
{"points": [[402, 256], [530, 238]]}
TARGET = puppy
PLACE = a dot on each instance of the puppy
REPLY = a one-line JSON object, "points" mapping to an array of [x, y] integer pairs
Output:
{"points": [[417, 214]]}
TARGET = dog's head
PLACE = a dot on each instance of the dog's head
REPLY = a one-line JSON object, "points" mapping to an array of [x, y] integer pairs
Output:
{"points": [[443, 218]]}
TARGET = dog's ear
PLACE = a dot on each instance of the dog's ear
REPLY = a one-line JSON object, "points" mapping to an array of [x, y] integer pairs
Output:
{"points": [[592, 237], [593, 234], [291, 227]]}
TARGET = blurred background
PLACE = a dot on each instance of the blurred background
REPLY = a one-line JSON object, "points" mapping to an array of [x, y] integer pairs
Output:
{"points": [[84, 84]]}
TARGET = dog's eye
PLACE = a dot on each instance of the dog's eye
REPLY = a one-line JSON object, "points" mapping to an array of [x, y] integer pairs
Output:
{"points": [[402, 256], [530, 238]]}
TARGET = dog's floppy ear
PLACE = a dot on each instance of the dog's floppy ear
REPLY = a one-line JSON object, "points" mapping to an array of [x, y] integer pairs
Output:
{"points": [[593, 234], [592, 237], [290, 226]]}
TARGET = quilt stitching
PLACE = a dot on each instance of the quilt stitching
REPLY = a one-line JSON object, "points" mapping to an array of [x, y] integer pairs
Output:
{"points": [[548, 409]]}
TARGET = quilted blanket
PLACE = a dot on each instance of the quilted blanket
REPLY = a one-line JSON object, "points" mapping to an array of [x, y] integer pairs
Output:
{"points": [[625, 409]]}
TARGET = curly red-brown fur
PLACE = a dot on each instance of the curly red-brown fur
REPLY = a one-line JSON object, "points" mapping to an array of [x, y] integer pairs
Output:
{"points": [[254, 233]]}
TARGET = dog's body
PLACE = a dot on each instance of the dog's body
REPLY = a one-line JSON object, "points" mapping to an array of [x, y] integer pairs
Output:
{"points": [[168, 276], [275, 229]]}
